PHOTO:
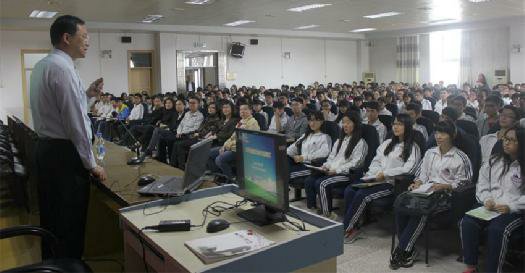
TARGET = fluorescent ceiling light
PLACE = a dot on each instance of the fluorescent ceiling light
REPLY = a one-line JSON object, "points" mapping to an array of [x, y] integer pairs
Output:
{"points": [[363, 29], [307, 27], [238, 23], [346, 20], [199, 2], [381, 15], [478, 1], [308, 7], [42, 14], [152, 18]]}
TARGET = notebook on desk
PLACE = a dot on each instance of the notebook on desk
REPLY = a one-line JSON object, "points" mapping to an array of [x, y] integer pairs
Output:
{"points": [[179, 185], [225, 246]]}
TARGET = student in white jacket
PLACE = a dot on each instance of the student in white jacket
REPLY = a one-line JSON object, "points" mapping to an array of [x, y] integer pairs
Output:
{"points": [[348, 153], [313, 144], [500, 188], [398, 155], [447, 168], [506, 119]]}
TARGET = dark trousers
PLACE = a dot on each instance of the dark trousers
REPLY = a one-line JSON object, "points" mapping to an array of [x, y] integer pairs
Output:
{"points": [[63, 189], [322, 185], [409, 228], [180, 150], [499, 230], [297, 170], [357, 199]]}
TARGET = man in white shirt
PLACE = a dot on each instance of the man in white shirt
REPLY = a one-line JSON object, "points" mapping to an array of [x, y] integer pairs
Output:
{"points": [[382, 107], [279, 119], [372, 112], [64, 156], [138, 109], [425, 104], [442, 102], [460, 103]]}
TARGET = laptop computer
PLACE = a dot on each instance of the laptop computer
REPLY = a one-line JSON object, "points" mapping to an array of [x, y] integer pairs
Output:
{"points": [[179, 185]]}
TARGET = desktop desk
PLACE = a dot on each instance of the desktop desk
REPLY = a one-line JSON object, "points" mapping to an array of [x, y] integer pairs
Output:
{"points": [[313, 251], [103, 235]]}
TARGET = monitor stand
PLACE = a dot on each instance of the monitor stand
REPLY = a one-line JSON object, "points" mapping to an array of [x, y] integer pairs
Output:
{"points": [[262, 215]]}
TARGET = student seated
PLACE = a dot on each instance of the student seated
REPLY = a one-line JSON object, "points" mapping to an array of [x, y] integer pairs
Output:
{"points": [[447, 168], [210, 126], [506, 119], [223, 157], [326, 109], [372, 112], [500, 188], [298, 122], [492, 106], [414, 110], [348, 153], [279, 119], [396, 156], [312, 145]]}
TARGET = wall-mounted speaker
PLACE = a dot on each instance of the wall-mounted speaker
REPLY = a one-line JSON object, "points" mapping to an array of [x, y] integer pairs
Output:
{"points": [[254, 41], [125, 39]]}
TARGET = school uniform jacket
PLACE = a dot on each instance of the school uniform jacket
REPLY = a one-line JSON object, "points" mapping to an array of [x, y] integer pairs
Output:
{"points": [[505, 189], [393, 164], [337, 161], [314, 146], [452, 168]]}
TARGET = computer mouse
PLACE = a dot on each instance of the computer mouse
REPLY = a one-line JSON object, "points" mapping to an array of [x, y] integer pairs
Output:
{"points": [[146, 180], [217, 225]]}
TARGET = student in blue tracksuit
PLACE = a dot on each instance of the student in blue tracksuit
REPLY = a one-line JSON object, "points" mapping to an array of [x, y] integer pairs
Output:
{"points": [[500, 188], [313, 144], [447, 168], [395, 156], [348, 153]]}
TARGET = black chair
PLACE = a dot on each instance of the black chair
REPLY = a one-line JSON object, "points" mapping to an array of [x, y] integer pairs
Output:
{"points": [[261, 121], [431, 115], [468, 126], [333, 130], [55, 264], [387, 121]]}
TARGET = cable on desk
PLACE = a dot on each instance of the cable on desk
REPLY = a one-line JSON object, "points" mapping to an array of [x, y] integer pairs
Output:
{"points": [[217, 208], [300, 227]]}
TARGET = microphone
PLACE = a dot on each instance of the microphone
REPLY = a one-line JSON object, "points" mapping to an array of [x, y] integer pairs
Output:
{"points": [[136, 160]]}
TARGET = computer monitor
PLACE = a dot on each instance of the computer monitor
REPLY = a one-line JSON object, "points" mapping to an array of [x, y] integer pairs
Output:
{"points": [[262, 175]]}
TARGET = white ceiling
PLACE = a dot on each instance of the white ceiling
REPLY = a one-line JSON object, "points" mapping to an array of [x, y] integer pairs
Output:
{"points": [[273, 14]]}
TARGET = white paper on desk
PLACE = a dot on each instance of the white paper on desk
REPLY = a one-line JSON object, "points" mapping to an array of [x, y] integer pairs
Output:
{"points": [[232, 243], [424, 189]]}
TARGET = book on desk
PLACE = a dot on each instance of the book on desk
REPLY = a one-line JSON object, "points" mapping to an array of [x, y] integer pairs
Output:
{"points": [[225, 246]]}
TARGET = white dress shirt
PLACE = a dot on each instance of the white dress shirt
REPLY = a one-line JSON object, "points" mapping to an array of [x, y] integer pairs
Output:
{"points": [[59, 104], [137, 112], [284, 120], [440, 105]]}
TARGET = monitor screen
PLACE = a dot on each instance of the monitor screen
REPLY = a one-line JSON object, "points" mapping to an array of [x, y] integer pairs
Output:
{"points": [[262, 169]]}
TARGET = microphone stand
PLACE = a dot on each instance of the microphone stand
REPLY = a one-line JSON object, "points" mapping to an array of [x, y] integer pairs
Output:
{"points": [[136, 160]]}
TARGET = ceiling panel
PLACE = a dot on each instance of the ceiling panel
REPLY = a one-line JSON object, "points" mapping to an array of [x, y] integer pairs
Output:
{"points": [[273, 14]]}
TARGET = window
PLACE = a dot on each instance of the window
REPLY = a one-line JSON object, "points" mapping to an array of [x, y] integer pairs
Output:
{"points": [[445, 56]]}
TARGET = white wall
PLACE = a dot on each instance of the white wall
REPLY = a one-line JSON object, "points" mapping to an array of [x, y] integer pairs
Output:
{"points": [[383, 59], [113, 70], [322, 60], [383, 54], [517, 60]]}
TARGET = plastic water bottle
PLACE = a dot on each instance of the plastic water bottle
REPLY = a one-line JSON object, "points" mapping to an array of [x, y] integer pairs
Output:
{"points": [[101, 149]]}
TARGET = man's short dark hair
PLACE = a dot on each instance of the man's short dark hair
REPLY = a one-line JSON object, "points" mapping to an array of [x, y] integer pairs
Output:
{"points": [[194, 98], [299, 100], [64, 24], [278, 105], [414, 107], [451, 113], [495, 99], [372, 105]]}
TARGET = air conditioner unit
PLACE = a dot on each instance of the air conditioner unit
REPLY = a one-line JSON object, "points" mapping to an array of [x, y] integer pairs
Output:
{"points": [[501, 76], [369, 77]]}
